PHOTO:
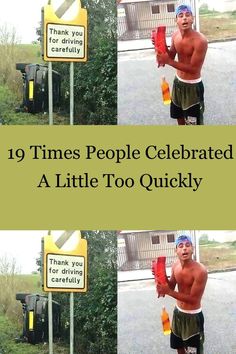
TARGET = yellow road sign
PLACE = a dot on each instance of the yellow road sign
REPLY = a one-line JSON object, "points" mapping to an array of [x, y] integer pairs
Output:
{"points": [[65, 271], [65, 40]]}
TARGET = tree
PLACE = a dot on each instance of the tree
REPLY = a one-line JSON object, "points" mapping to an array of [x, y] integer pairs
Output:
{"points": [[203, 239], [95, 82], [8, 50], [95, 312], [9, 284]]}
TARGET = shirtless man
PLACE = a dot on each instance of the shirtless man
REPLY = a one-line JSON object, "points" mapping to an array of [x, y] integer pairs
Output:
{"points": [[191, 277], [187, 104]]}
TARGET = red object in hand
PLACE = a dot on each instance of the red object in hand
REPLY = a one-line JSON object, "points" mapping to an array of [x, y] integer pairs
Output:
{"points": [[161, 39], [158, 38], [159, 270]]}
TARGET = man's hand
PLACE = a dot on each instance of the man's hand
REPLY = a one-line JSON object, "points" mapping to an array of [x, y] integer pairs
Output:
{"points": [[163, 289], [162, 58]]}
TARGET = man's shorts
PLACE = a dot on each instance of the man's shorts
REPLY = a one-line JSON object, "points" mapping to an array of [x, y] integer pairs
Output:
{"points": [[187, 331], [187, 101]]}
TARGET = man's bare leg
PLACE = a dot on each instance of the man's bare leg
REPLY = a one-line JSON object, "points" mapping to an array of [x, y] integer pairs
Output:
{"points": [[181, 121]]}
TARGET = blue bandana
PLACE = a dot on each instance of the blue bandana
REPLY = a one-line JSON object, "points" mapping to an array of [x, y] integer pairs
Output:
{"points": [[183, 8], [182, 238]]}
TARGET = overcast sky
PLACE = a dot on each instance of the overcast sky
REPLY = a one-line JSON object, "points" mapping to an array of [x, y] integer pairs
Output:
{"points": [[25, 246], [24, 16]]}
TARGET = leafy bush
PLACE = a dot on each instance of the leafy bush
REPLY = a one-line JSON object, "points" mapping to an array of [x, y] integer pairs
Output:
{"points": [[233, 244], [95, 312], [7, 100], [95, 82], [203, 240], [12, 282], [96, 86], [9, 332], [233, 13], [204, 10]]}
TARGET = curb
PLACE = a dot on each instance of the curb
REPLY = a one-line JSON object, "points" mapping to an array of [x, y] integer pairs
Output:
{"points": [[151, 278], [222, 270], [133, 50], [222, 40], [151, 47], [131, 280]]}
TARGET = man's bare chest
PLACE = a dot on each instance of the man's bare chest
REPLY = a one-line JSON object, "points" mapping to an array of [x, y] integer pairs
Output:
{"points": [[184, 48], [184, 278]]}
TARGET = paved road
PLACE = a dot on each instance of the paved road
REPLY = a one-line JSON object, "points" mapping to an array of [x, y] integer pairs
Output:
{"points": [[139, 95], [139, 325]]}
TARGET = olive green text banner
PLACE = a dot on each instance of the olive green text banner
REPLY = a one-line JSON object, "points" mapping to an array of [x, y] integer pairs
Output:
{"points": [[117, 177]]}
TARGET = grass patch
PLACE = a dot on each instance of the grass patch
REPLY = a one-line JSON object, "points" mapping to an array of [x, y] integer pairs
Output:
{"points": [[216, 26], [23, 282], [208, 242], [33, 279], [9, 332], [11, 88], [218, 256], [11, 324], [29, 53], [12, 118], [11, 284]]}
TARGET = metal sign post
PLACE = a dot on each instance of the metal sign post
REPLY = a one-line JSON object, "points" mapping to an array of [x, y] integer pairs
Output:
{"points": [[71, 93], [50, 324], [71, 323], [50, 94], [50, 314], [64, 271], [196, 238], [197, 21]]}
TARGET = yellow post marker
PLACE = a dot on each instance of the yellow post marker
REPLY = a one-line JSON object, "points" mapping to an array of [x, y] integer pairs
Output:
{"points": [[31, 90], [31, 320], [65, 40], [65, 271]]}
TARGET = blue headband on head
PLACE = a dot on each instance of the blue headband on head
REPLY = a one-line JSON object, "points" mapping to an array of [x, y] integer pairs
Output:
{"points": [[181, 239], [183, 8]]}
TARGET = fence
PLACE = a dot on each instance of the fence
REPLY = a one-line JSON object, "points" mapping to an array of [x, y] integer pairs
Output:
{"points": [[137, 18], [136, 250]]}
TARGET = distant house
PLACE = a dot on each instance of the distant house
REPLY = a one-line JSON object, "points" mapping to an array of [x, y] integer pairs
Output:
{"points": [[137, 249], [221, 6], [136, 18]]}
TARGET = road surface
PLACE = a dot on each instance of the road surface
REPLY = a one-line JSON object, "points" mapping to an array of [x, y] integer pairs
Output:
{"points": [[139, 95], [139, 324]]}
